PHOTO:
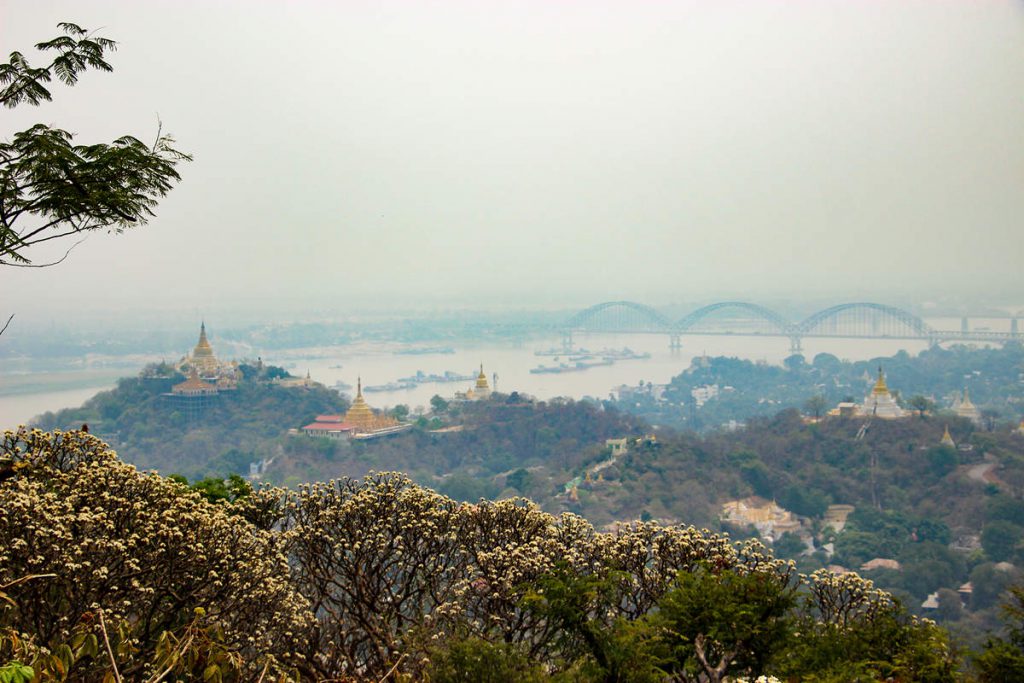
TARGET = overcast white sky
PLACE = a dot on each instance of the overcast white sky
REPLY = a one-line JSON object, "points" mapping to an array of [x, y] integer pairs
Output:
{"points": [[547, 153]]}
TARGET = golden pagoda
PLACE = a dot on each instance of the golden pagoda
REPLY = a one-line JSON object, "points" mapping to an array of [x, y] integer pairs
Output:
{"points": [[880, 403], [968, 410], [947, 439], [202, 359], [880, 386], [362, 417], [483, 389]]}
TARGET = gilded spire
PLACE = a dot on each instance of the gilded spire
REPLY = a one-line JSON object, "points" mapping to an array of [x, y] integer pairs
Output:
{"points": [[203, 347], [880, 387], [947, 439], [481, 381], [361, 415]]}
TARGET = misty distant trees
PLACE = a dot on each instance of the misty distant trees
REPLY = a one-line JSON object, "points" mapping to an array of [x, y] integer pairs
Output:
{"points": [[52, 189]]}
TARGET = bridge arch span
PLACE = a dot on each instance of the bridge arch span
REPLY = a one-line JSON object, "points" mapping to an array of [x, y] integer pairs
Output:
{"points": [[782, 325], [891, 316], [590, 317]]}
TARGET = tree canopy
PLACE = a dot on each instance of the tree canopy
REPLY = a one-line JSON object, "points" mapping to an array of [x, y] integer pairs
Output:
{"points": [[53, 189]]}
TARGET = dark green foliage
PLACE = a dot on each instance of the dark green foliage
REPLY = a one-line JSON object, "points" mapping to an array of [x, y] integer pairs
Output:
{"points": [[941, 461], [519, 480], [150, 431], [762, 390], [888, 644], [465, 487], [473, 660], [1001, 540], [1003, 507], [725, 621], [1002, 659], [61, 189]]}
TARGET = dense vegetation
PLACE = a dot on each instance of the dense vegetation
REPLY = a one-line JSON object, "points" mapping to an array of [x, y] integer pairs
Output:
{"points": [[238, 427], [917, 502], [748, 389], [110, 573]]}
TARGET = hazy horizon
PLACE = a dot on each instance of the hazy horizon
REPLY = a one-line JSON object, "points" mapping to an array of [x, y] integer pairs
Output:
{"points": [[363, 155]]}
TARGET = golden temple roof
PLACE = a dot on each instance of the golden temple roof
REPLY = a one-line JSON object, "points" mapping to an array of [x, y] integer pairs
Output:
{"points": [[481, 379], [880, 387], [947, 439], [966, 403], [203, 347], [193, 384], [362, 417]]}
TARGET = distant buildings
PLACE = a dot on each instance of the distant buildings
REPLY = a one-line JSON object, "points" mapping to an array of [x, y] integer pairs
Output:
{"points": [[878, 403], [359, 423], [203, 364], [206, 378], [479, 392], [966, 409], [769, 518]]}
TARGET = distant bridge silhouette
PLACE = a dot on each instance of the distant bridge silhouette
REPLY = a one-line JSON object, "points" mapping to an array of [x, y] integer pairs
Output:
{"points": [[860, 320]]}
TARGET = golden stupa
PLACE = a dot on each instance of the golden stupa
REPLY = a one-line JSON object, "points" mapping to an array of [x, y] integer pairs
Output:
{"points": [[880, 403], [947, 439], [483, 389], [362, 417], [202, 359], [880, 386]]}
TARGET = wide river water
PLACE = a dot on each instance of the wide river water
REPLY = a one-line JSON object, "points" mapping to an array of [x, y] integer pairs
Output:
{"points": [[380, 364]]}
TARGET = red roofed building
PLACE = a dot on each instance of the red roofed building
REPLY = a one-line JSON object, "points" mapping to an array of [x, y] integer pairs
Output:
{"points": [[329, 426], [193, 386]]}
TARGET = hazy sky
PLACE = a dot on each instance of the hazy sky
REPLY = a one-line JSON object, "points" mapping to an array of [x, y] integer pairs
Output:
{"points": [[549, 153]]}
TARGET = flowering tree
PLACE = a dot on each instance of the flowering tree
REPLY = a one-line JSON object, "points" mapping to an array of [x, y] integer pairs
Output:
{"points": [[107, 570], [110, 543]]}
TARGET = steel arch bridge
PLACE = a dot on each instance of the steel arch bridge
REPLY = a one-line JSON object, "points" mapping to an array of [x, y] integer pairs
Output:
{"points": [[858, 320], [775, 322], [619, 316], [884, 321]]}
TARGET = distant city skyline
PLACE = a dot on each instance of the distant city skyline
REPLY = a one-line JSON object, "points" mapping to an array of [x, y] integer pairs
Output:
{"points": [[367, 157]]}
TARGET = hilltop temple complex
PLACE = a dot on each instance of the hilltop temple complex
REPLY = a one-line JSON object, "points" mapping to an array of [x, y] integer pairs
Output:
{"points": [[880, 403], [360, 422], [965, 408], [479, 392], [205, 365]]}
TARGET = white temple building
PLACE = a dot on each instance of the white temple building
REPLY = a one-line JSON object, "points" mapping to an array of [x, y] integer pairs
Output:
{"points": [[880, 403], [966, 408]]}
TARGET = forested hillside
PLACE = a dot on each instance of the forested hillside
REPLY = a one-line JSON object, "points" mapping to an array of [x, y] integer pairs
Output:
{"points": [[993, 377], [236, 428]]}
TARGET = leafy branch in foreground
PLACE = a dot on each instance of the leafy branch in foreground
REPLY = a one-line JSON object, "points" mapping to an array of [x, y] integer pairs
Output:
{"points": [[50, 188]]}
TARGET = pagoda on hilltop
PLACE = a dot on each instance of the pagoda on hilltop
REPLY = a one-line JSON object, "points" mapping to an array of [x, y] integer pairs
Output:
{"points": [[947, 439], [880, 403], [478, 392], [367, 424], [967, 409], [483, 389], [206, 365]]}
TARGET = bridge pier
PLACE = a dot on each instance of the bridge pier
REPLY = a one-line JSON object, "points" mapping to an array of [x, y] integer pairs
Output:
{"points": [[1013, 327], [674, 342], [795, 346], [567, 341]]}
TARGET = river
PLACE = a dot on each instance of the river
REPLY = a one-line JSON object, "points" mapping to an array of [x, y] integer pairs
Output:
{"points": [[379, 364]]}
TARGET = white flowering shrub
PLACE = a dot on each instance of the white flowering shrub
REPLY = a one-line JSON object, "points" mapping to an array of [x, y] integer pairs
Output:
{"points": [[142, 549], [362, 580]]}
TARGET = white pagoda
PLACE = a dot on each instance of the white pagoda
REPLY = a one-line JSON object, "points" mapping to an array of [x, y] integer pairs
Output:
{"points": [[880, 403]]}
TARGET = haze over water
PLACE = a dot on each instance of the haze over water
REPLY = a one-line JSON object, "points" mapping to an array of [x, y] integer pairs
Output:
{"points": [[378, 364]]}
